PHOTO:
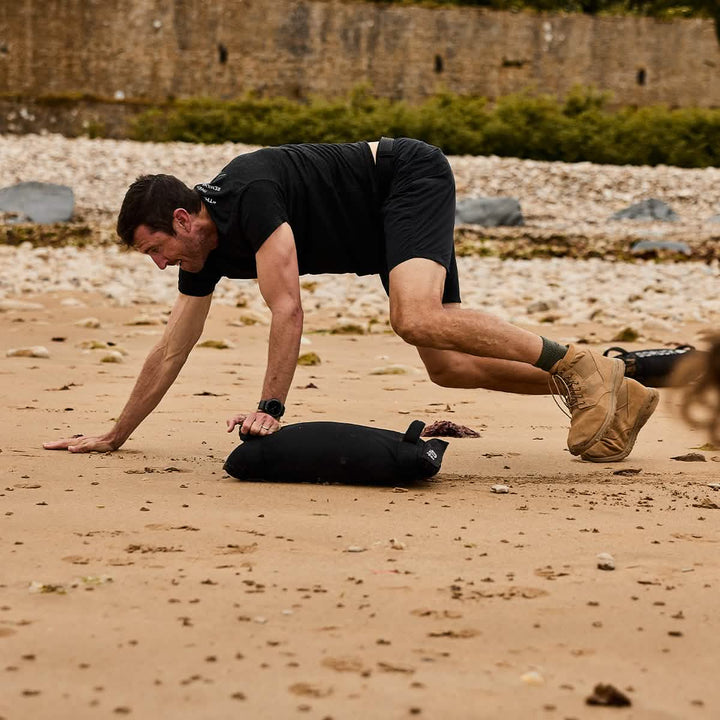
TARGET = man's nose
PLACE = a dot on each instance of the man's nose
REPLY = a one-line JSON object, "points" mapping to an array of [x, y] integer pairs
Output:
{"points": [[160, 261]]}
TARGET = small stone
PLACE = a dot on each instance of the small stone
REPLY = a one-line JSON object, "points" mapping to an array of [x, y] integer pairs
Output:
{"points": [[605, 561], [36, 351], [143, 320], [93, 345], [89, 322], [532, 677], [19, 305], [397, 544], [627, 334], [393, 370], [355, 549], [541, 306], [96, 579], [500, 488], [714, 486], [216, 344], [38, 587], [247, 319], [347, 329], [309, 359], [114, 356], [707, 504], [609, 696], [647, 210], [489, 211], [690, 457]]}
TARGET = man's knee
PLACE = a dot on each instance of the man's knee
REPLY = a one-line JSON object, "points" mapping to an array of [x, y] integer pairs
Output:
{"points": [[412, 326], [443, 376], [444, 371]]}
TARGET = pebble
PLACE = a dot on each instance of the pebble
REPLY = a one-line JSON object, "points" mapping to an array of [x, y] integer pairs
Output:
{"points": [[19, 305], [36, 351], [714, 486], [395, 369], [532, 677], [500, 488], [355, 549], [608, 695], [143, 320], [690, 457], [605, 561], [91, 323], [216, 344]]}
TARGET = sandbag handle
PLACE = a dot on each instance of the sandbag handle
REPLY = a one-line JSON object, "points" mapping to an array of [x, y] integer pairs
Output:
{"points": [[412, 434]]}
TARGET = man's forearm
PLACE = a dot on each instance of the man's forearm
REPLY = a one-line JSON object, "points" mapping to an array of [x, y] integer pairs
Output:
{"points": [[283, 347], [162, 365], [157, 375]]}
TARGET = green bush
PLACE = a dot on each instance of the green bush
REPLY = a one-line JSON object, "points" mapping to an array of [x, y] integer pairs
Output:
{"points": [[539, 127]]}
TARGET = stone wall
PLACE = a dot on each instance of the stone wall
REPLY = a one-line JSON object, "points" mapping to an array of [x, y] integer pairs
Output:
{"points": [[158, 49]]}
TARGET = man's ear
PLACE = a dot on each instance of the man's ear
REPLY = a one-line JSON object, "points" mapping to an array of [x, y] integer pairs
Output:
{"points": [[183, 218]]}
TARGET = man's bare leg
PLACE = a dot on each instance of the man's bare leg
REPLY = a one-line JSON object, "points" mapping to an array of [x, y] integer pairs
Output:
{"points": [[589, 383], [418, 316], [449, 368]]}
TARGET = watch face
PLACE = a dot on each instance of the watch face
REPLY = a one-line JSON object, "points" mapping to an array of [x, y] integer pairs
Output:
{"points": [[273, 407]]}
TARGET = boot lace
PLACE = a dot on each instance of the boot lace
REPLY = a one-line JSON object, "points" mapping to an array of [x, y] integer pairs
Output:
{"points": [[565, 393]]}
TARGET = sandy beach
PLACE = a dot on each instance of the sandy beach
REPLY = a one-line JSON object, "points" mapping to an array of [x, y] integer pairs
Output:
{"points": [[147, 583]]}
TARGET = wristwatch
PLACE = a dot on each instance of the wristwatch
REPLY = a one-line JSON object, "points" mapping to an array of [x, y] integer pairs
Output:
{"points": [[272, 407]]}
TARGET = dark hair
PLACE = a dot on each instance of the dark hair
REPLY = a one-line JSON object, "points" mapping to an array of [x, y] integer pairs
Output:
{"points": [[151, 200]]}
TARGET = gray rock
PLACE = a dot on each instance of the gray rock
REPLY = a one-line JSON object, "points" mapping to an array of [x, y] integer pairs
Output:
{"points": [[38, 202], [489, 211], [647, 210], [651, 246]]}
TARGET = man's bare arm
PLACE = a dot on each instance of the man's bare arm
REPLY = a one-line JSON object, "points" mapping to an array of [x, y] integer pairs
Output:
{"points": [[279, 283], [158, 373]]}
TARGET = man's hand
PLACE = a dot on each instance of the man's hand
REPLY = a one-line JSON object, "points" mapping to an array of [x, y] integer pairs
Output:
{"points": [[83, 444], [256, 423]]}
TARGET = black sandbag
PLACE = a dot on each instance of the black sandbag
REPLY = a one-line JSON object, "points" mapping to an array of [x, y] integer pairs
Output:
{"points": [[338, 453]]}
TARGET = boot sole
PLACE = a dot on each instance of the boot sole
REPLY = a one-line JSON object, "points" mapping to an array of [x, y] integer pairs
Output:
{"points": [[617, 378], [643, 416]]}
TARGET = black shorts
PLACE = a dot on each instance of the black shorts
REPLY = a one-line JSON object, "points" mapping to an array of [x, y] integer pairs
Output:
{"points": [[417, 191]]}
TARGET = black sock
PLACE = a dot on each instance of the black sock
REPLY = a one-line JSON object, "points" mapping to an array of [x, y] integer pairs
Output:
{"points": [[551, 352]]}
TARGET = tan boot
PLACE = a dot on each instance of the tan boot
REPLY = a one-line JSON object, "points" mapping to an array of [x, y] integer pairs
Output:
{"points": [[636, 403], [588, 385]]}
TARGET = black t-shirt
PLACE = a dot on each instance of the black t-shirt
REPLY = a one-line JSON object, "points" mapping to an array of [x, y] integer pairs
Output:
{"points": [[326, 192]]}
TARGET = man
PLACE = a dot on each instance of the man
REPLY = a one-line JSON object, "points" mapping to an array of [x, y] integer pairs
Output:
{"points": [[385, 208]]}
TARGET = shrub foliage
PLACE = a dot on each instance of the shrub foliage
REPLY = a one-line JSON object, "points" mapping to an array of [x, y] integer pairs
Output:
{"points": [[579, 128]]}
